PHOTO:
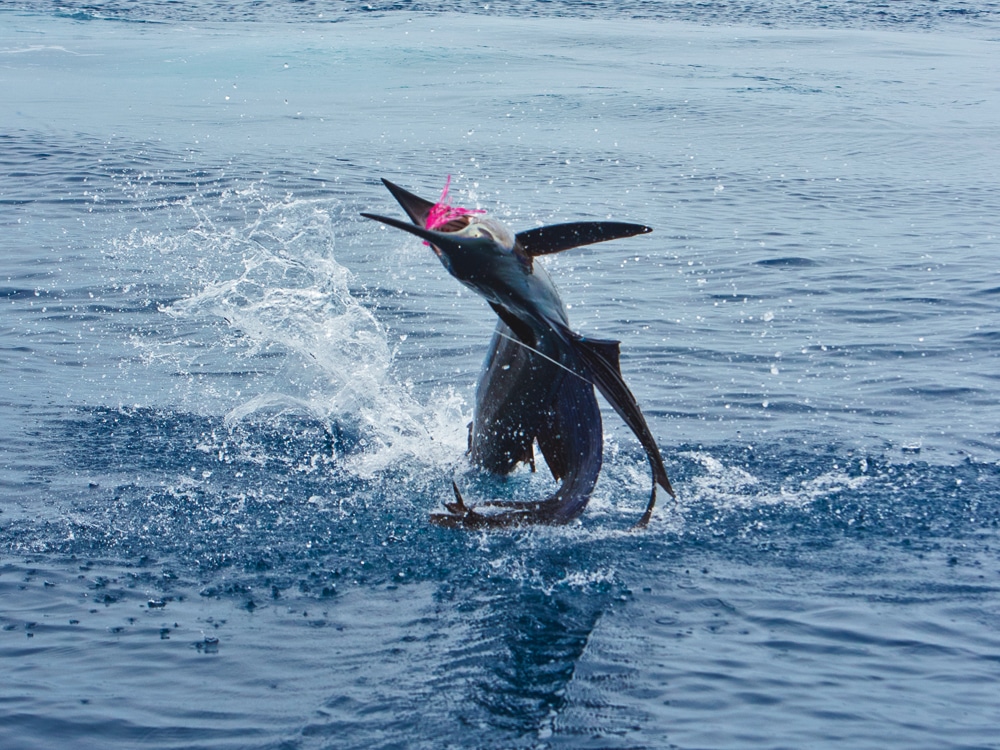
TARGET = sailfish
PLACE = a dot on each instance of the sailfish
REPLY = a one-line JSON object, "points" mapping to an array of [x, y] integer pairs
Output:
{"points": [[538, 378]]}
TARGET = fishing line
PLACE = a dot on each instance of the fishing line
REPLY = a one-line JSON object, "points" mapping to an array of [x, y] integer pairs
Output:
{"points": [[642, 522], [543, 356]]}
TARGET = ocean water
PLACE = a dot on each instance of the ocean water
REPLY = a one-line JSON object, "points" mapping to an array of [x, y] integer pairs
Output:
{"points": [[229, 403]]}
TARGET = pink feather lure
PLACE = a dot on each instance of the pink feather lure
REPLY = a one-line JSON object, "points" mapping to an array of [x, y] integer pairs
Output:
{"points": [[441, 213]]}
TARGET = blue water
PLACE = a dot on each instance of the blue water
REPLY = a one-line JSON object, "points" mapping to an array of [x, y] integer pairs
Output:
{"points": [[229, 404]]}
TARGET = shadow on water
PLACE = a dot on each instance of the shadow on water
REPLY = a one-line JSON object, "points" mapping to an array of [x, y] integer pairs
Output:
{"points": [[526, 641], [270, 514]]}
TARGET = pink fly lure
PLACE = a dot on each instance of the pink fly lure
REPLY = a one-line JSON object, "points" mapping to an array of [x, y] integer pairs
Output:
{"points": [[441, 213]]}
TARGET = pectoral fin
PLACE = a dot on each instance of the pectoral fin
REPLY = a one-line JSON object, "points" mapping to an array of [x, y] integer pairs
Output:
{"points": [[559, 237], [601, 362]]}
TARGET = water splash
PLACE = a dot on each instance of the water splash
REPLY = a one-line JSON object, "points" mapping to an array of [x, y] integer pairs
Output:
{"points": [[728, 486], [269, 324]]}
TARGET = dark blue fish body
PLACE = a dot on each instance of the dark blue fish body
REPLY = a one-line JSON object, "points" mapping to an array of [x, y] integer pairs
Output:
{"points": [[538, 380], [514, 398], [521, 399]]}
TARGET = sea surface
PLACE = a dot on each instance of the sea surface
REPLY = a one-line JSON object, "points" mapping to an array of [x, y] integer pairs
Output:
{"points": [[229, 404]]}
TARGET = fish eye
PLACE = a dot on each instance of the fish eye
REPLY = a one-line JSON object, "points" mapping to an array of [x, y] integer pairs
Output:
{"points": [[477, 230]]}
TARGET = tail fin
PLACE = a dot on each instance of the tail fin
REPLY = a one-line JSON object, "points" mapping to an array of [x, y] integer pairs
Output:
{"points": [[601, 359]]}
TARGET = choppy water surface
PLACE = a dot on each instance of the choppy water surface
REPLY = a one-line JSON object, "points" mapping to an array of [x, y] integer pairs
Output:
{"points": [[229, 403]]}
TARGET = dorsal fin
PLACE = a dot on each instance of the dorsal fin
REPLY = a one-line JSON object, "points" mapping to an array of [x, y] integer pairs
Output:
{"points": [[570, 434], [559, 237]]}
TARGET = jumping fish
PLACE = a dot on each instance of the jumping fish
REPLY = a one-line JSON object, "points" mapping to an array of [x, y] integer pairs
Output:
{"points": [[538, 378]]}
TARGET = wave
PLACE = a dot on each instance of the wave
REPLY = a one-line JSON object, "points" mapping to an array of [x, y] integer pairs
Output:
{"points": [[903, 14]]}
